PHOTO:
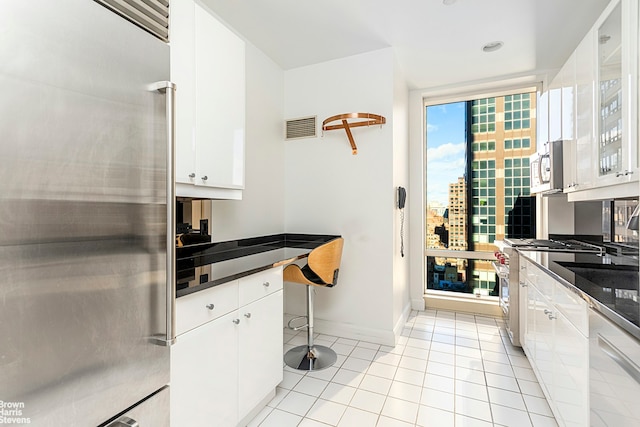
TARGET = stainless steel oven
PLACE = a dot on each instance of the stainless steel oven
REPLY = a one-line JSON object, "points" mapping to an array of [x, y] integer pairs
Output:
{"points": [[507, 267]]}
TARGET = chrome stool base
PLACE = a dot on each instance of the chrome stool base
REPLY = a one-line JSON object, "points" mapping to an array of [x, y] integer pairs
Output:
{"points": [[305, 358]]}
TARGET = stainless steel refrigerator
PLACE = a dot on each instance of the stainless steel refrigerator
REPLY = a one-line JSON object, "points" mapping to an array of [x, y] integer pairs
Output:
{"points": [[85, 293]]}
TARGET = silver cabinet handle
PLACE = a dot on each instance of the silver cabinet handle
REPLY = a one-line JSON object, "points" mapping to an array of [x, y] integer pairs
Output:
{"points": [[204, 178], [266, 284], [125, 422], [628, 172], [523, 284], [210, 306], [192, 175], [247, 315], [236, 321], [620, 358], [619, 174], [169, 89]]}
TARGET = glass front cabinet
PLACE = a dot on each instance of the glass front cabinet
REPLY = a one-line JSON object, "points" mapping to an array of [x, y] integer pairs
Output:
{"points": [[616, 36]]}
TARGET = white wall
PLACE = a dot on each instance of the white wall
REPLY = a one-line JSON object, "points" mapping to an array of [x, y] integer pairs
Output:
{"points": [[261, 210], [329, 190], [401, 303]]}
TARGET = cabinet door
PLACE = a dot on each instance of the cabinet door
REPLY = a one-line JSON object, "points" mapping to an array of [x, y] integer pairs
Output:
{"points": [[585, 159], [204, 375], [220, 103], [610, 94], [543, 337], [529, 342], [567, 80], [542, 114], [260, 353], [183, 75], [630, 33], [571, 373], [555, 110], [617, 54]]}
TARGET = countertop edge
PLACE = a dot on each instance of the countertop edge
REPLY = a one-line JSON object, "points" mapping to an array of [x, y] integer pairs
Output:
{"points": [[227, 279], [593, 303], [236, 249]]}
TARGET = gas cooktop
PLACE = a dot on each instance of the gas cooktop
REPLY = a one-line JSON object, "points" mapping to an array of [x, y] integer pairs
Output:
{"points": [[554, 245]]}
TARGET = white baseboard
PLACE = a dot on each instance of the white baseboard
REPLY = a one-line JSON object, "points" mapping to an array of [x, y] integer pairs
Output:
{"points": [[486, 307], [354, 332], [397, 330]]}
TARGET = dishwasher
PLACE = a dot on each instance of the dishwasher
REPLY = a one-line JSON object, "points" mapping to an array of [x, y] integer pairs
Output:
{"points": [[614, 374]]}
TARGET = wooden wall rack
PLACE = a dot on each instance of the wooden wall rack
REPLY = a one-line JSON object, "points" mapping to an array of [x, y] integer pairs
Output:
{"points": [[359, 119]]}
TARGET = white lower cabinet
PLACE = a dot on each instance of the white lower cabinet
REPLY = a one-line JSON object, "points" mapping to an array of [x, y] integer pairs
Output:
{"points": [[204, 369], [260, 352], [224, 368], [557, 344]]}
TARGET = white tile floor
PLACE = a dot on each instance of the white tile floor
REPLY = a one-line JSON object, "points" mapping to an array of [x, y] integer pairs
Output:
{"points": [[448, 369]]}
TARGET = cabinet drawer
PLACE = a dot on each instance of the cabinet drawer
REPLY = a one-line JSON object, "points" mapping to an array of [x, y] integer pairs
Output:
{"points": [[260, 285], [573, 307], [543, 281], [528, 272], [198, 308]]}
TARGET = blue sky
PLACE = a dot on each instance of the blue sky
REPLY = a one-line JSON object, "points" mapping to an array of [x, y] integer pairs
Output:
{"points": [[445, 149]]}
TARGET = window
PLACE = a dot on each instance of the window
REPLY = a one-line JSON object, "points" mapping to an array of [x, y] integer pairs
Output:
{"points": [[483, 115], [516, 144], [477, 187], [517, 112], [484, 146]]}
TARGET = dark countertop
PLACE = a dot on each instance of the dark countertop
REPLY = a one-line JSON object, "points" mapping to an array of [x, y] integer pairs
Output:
{"points": [[609, 284], [221, 262]]}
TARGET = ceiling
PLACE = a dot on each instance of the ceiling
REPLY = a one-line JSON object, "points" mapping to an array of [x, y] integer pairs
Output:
{"points": [[436, 44]]}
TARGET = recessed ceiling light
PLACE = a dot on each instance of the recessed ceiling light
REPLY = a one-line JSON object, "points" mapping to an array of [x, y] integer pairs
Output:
{"points": [[448, 2], [492, 46]]}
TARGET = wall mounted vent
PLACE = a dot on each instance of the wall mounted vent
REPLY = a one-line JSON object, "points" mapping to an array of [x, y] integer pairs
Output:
{"points": [[304, 127]]}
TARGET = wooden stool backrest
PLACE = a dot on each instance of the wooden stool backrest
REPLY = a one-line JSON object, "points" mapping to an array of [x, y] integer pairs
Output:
{"points": [[325, 260]]}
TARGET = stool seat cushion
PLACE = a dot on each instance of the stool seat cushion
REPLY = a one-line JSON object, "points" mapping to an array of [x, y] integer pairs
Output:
{"points": [[313, 277]]}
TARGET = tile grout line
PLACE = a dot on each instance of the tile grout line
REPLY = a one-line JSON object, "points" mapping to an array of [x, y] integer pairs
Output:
{"points": [[425, 331]]}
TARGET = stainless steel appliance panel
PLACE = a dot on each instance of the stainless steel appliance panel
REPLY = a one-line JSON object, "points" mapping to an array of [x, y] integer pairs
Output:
{"points": [[546, 175], [614, 374], [82, 212], [151, 412]]}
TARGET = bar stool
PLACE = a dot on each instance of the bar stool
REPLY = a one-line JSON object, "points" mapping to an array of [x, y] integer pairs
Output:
{"points": [[321, 270]]}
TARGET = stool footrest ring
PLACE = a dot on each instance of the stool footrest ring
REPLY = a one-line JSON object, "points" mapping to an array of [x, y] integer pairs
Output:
{"points": [[297, 328]]}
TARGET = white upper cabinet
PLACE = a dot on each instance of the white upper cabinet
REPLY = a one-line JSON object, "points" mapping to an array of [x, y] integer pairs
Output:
{"points": [[567, 77], [208, 67], [616, 93], [542, 114], [606, 88], [584, 160], [555, 110], [183, 75]]}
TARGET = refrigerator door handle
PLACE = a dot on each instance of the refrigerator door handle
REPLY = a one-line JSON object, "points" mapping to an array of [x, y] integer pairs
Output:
{"points": [[169, 88]]}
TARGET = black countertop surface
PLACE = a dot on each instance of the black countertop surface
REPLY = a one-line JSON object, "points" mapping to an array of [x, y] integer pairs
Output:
{"points": [[609, 284], [206, 265]]}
